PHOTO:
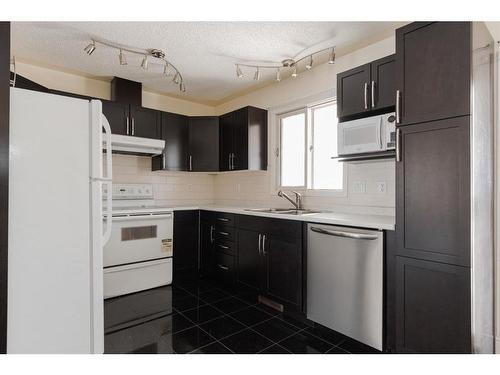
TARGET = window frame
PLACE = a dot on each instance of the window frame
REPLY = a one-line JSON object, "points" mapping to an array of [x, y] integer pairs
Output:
{"points": [[307, 190]]}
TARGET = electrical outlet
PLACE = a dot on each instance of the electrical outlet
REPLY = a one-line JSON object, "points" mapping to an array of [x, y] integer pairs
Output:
{"points": [[359, 187], [381, 187]]}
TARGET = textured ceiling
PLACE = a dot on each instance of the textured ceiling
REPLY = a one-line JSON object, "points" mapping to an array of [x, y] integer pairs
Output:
{"points": [[204, 52]]}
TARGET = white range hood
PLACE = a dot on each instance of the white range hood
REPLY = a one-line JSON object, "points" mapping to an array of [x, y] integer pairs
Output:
{"points": [[137, 145]]}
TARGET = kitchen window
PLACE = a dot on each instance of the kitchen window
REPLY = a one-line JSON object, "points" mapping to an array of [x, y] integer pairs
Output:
{"points": [[307, 143]]}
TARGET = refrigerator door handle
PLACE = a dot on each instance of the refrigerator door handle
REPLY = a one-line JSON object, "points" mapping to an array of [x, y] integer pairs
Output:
{"points": [[108, 181]]}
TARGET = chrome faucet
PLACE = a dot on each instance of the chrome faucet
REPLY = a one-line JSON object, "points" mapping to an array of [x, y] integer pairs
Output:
{"points": [[297, 203]]}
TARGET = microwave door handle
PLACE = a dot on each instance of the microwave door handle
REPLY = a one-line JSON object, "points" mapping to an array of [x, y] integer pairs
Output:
{"points": [[108, 180]]}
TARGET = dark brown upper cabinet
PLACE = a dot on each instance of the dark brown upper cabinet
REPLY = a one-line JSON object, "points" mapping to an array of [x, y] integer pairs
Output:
{"points": [[118, 116], [433, 70], [367, 89], [353, 91], [383, 83], [126, 119], [433, 191], [145, 122], [243, 140], [174, 131], [203, 144]]}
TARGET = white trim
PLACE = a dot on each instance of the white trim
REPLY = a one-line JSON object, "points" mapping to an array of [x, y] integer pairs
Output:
{"points": [[274, 117]]}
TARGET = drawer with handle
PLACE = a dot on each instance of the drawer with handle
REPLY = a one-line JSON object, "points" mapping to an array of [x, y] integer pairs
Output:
{"points": [[224, 218], [224, 268], [225, 233], [225, 247]]}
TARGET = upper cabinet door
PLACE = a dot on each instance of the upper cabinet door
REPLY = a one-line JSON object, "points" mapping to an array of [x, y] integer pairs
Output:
{"points": [[383, 83], [226, 141], [174, 131], [433, 192], [241, 127], [118, 116], [433, 70], [353, 91], [203, 144], [144, 122]]}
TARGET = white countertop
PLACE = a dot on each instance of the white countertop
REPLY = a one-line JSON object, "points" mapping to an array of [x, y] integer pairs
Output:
{"points": [[382, 222]]}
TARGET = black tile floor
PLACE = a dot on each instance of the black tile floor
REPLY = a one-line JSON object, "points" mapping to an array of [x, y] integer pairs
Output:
{"points": [[206, 318]]}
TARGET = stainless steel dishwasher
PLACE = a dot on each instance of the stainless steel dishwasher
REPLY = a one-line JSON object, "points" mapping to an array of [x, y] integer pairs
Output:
{"points": [[345, 281]]}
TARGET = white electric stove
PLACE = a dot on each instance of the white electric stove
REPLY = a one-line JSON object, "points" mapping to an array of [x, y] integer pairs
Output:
{"points": [[139, 253]]}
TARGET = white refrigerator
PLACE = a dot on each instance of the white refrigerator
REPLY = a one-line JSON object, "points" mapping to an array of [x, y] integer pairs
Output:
{"points": [[57, 227]]}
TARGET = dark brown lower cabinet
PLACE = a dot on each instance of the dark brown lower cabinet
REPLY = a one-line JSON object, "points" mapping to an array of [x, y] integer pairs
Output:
{"points": [[433, 309], [270, 257], [185, 260], [249, 260], [206, 248]]}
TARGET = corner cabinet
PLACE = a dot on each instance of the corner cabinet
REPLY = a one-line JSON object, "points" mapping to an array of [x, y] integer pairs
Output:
{"points": [[243, 140], [174, 131], [367, 89]]}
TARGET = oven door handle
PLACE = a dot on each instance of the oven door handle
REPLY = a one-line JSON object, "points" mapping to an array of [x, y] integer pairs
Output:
{"points": [[142, 217]]}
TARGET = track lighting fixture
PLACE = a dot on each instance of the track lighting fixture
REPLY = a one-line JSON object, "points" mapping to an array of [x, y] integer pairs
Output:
{"points": [[123, 59], [256, 76], [90, 48], [147, 54], [239, 73], [290, 63], [145, 63], [332, 57], [309, 65]]}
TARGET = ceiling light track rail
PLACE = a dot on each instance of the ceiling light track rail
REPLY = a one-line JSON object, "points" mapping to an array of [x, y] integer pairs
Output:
{"points": [[285, 64], [169, 69]]}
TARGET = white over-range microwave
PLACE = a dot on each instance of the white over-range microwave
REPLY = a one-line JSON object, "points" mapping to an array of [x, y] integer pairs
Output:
{"points": [[367, 135]]}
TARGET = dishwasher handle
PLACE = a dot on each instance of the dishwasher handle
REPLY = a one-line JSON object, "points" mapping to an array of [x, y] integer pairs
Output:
{"points": [[336, 233]]}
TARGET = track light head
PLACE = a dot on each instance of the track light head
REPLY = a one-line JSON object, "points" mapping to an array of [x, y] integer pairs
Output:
{"points": [[309, 65], [332, 57], [294, 74], [166, 70], [182, 87], [256, 76], [90, 48], [123, 59], [177, 78], [278, 75], [239, 73], [145, 63]]}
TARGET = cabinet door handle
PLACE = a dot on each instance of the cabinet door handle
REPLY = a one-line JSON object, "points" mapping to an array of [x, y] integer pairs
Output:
{"points": [[133, 126], [164, 160], [222, 219], [223, 246], [212, 230], [373, 94], [225, 268], [260, 247], [128, 126], [229, 161], [398, 109], [264, 245], [398, 145], [232, 161], [190, 163], [224, 233], [366, 95]]}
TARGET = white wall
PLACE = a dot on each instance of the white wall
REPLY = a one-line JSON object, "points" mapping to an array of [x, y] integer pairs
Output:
{"points": [[255, 188]]}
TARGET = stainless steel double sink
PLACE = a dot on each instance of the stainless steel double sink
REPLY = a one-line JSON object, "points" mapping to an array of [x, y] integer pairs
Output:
{"points": [[287, 211]]}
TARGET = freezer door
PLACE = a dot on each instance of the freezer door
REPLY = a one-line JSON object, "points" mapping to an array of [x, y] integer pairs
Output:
{"points": [[51, 301]]}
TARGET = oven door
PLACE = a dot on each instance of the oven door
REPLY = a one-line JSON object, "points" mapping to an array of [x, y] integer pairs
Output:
{"points": [[360, 136], [137, 238]]}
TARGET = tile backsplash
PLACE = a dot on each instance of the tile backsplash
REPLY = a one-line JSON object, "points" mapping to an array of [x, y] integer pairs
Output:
{"points": [[254, 188]]}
